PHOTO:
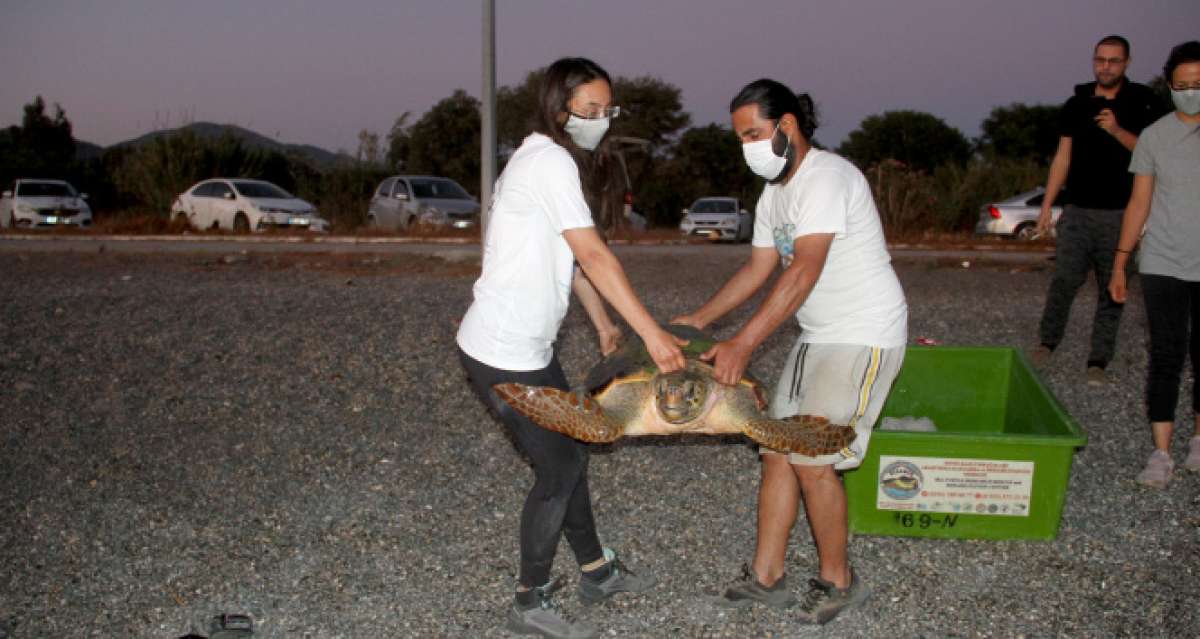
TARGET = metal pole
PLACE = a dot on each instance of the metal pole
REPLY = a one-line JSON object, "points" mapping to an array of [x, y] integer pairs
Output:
{"points": [[487, 165]]}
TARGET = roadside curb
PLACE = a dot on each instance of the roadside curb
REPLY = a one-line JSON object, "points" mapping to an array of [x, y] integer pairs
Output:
{"points": [[456, 241]]}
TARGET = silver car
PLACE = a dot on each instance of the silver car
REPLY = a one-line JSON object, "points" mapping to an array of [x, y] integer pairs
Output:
{"points": [[404, 201], [717, 218], [1017, 216]]}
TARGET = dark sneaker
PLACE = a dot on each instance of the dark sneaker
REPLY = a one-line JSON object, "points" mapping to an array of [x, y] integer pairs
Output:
{"points": [[619, 579], [748, 590], [544, 619], [824, 601]]}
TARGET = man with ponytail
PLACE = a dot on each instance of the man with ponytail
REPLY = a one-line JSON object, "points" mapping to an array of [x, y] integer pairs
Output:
{"points": [[817, 219]]}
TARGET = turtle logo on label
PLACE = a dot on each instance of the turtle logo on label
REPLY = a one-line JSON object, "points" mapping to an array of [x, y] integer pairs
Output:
{"points": [[901, 480]]}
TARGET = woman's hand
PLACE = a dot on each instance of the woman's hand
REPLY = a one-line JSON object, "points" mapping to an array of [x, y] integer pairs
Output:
{"points": [[610, 339], [1116, 286], [663, 348], [687, 320]]}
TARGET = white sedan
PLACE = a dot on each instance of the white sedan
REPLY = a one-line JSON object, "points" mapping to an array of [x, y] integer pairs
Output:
{"points": [[241, 205]]}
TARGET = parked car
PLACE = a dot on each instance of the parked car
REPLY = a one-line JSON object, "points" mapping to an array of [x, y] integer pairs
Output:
{"points": [[402, 201], [1017, 216], [636, 221], [44, 203], [241, 205], [718, 218]]}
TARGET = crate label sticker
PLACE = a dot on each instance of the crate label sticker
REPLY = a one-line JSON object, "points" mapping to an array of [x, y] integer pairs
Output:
{"points": [[962, 486]]}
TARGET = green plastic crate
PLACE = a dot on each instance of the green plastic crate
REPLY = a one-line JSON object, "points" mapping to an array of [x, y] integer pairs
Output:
{"points": [[997, 467]]}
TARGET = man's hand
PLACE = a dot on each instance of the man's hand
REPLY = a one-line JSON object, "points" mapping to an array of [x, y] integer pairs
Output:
{"points": [[1107, 120], [729, 359], [1116, 286], [1043, 220], [663, 348]]}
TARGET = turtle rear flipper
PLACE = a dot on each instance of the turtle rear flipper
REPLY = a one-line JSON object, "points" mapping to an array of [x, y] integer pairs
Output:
{"points": [[802, 434], [571, 414]]}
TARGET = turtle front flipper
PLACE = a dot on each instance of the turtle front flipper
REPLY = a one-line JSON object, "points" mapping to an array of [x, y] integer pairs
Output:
{"points": [[802, 434], [572, 415]]}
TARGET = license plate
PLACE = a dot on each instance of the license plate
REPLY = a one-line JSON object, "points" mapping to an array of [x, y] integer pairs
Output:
{"points": [[298, 221], [462, 224], [53, 219]]}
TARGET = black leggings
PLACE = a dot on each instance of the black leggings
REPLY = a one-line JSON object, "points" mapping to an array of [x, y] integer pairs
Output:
{"points": [[559, 502], [1172, 305]]}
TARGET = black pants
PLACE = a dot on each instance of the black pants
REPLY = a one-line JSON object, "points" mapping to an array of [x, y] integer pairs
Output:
{"points": [[1172, 311], [559, 502], [1087, 240]]}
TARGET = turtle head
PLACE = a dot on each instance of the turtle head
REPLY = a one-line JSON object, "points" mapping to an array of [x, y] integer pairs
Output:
{"points": [[681, 396]]}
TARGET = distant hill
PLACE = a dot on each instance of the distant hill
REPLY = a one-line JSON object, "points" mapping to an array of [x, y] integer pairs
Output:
{"points": [[320, 158], [87, 150]]}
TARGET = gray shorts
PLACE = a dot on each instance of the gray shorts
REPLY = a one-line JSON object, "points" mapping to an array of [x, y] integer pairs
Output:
{"points": [[846, 383]]}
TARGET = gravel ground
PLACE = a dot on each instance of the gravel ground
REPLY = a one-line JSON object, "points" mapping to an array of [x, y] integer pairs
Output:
{"points": [[289, 436]]}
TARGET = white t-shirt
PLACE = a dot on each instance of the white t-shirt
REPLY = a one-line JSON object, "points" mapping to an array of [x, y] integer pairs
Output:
{"points": [[523, 292], [857, 299]]}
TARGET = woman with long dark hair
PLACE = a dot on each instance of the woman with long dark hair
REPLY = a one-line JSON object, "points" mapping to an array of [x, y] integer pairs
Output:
{"points": [[543, 221]]}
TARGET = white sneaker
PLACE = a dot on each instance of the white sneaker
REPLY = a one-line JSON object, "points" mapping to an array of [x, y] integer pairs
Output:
{"points": [[1158, 469], [1192, 462]]}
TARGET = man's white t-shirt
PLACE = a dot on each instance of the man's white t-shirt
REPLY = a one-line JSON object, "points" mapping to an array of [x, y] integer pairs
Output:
{"points": [[523, 292], [857, 299]]}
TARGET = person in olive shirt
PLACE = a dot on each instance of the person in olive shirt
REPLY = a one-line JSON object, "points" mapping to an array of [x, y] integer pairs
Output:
{"points": [[1099, 127]]}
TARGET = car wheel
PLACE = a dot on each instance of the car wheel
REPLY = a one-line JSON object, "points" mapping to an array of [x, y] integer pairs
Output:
{"points": [[1025, 232], [241, 223]]}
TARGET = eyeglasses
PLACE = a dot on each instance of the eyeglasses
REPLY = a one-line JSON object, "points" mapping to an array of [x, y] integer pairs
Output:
{"points": [[599, 112]]}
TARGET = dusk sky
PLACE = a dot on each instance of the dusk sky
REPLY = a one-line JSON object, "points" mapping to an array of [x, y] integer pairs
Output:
{"points": [[316, 72]]}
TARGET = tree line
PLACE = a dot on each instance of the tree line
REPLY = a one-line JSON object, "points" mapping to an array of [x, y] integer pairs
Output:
{"points": [[926, 174]]}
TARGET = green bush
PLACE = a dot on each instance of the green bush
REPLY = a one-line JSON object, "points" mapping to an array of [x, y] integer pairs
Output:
{"points": [[948, 200]]}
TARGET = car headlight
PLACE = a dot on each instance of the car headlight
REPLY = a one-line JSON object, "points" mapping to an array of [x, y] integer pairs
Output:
{"points": [[25, 208]]}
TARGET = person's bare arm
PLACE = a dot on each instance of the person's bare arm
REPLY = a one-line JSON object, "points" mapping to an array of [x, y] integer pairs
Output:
{"points": [[607, 332], [1137, 211], [606, 275], [748, 279], [731, 357], [1054, 183]]}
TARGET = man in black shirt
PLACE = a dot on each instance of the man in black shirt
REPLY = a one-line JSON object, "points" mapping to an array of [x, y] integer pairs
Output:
{"points": [[1099, 126]]}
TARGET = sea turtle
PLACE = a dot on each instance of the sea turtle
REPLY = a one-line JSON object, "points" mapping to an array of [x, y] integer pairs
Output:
{"points": [[626, 396]]}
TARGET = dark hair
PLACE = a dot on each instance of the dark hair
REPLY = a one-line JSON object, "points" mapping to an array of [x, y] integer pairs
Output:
{"points": [[598, 169], [1182, 54], [775, 100], [1115, 40]]}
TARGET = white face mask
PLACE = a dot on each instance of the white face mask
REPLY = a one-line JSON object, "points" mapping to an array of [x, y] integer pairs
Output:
{"points": [[586, 133], [1187, 100], [760, 157]]}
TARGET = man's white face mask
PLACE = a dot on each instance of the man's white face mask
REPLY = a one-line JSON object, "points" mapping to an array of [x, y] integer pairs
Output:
{"points": [[762, 160]]}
